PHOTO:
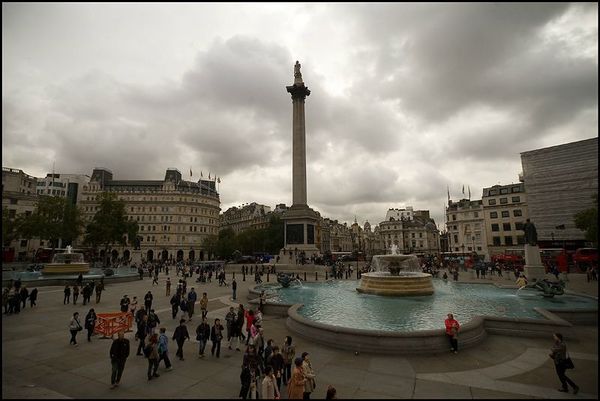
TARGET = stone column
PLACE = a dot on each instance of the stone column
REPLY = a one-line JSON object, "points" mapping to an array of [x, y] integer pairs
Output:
{"points": [[534, 268], [299, 93]]}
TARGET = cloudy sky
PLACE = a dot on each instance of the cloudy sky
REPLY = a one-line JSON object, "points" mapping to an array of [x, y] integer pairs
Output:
{"points": [[406, 99]]}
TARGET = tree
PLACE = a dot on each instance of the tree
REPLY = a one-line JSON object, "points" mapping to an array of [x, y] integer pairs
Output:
{"points": [[210, 244], [110, 224], [226, 243], [587, 220], [9, 228], [55, 218]]}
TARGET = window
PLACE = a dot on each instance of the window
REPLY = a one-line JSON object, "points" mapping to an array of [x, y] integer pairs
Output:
{"points": [[503, 191], [508, 240], [520, 239], [12, 213], [475, 214], [516, 189], [519, 226], [493, 215], [496, 241], [492, 202], [506, 226], [412, 235], [454, 217], [420, 235], [495, 227], [23, 243], [505, 213], [503, 201], [516, 199], [493, 192], [456, 239], [455, 227], [517, 213]]}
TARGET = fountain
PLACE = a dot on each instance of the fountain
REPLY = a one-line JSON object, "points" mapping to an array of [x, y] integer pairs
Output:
{"points": [[396, 275], [68, 262]]}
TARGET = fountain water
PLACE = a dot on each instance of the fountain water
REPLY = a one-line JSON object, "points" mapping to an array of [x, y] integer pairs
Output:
{"points": [[396, 275]]}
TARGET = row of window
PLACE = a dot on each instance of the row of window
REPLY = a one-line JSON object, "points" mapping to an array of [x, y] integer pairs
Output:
{"points": [[506, 213], [507, 226], [406, 235], [51, 192], [504, 201], [508, 240], [469, 248], [202, 229]]}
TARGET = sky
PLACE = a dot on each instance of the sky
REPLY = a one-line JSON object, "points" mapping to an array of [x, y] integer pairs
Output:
{"points": [[408, 100]]}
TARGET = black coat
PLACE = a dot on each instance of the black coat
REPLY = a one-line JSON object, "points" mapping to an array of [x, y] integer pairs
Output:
{"points": [[203, 331], [119, 349], [181, 333]]}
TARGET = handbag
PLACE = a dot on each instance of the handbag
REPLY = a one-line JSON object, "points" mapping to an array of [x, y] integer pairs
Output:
{"points": [[568, 363]]}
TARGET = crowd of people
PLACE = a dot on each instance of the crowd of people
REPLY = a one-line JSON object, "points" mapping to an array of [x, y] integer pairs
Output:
{"points": [[15, 296]]}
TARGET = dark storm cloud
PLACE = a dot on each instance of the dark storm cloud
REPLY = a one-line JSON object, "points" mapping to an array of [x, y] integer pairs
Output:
{"points": [[406, 98]]}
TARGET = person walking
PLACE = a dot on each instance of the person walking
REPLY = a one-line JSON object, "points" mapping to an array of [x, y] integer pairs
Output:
{"points": [[163, 348], [180, 335], [309, 375], [67, 292], [33, 297], [216, 335], [202, 335], [168, 286], [142, 332], [233, 288], [452, 328], [119, 352], [246, 379], [230, 319], [278, 365], [124, 303], [239, 324], [74, 328], [191, 302], [99, 289], [562, 362], [155, 278], [249, 315], [90, 323], [204, 305], [148, 301], [297, 381], [269, 387], [175, 301], [152, 357], [289, 355], [75, 294], [23, 295]]}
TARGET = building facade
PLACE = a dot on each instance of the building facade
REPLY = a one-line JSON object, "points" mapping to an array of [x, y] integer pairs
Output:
{"points": [[19, 197], [504, 213], [560, 182], [412, 231], [68, 186], [465, 227], [175, 216], [252, 216]]}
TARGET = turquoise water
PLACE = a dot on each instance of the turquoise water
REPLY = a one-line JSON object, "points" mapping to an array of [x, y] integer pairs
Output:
{"points": [[338, 303]]}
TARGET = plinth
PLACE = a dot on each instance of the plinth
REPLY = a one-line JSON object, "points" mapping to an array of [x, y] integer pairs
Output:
{"points": [[534, 268]]}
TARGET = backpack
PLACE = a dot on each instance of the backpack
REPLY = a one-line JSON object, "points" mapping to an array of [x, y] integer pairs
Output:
{"points": [[147, 350]]}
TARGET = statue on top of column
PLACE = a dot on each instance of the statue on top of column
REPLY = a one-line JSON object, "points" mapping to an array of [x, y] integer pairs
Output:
{"points": [[297, 73], [530, 233]]}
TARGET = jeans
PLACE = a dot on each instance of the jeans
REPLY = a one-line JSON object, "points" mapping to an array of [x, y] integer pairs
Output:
{"points": [[204, 313], [66, 300], [165, 356], [152, 367], [141, 345], [73, 335], [201, 346], [560, 370], [217, 345], [117, 370], [287, 372], [179, 352], [233, 295], [453, 342], [90, 331]]}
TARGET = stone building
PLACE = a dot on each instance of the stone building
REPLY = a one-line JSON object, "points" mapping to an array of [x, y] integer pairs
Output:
{"points": [[465, 226], [335, 237], [68, 186], [412, 231], [249, 216], [19, 197], [560, 182], [175, 216], [504, 213]]}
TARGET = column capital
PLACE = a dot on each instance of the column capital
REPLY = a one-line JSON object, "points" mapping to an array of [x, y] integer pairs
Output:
{"points": [[298, 91]]}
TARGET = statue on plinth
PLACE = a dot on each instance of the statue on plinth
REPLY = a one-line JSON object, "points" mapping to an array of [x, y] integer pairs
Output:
{"points": [[530, 233], [297, 73]]}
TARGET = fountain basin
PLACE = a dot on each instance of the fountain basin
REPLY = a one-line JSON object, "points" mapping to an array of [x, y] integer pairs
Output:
{"points": [[403, 284]]}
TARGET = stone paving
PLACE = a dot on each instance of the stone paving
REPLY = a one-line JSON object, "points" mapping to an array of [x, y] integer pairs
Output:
{"points": [[38, 362]]}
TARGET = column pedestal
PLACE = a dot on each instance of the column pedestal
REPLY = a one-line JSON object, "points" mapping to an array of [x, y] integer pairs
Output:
{"points": [[534, 268]]}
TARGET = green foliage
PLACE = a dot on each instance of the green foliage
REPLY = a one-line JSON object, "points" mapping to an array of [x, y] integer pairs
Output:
{"points": [[9, 228], [110, 224], [267, 240], [587, 220], [54, 218]]}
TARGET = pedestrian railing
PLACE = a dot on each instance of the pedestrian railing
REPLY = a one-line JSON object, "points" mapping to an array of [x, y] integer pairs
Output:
{"points": [[109, 324]]}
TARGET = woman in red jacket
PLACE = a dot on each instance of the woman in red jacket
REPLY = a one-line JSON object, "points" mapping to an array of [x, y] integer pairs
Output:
{"points": [[452, 327], [249, 314]]}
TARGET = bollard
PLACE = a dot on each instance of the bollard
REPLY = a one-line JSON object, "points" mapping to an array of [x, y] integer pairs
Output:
{"points": [[304, 276], [357, 274], [233, 274], [326, 275], [316, 276], [267, 277], [244, 277]]}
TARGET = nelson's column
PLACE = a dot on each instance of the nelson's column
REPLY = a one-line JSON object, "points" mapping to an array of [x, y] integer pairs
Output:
{"points": [[300, 221]]}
